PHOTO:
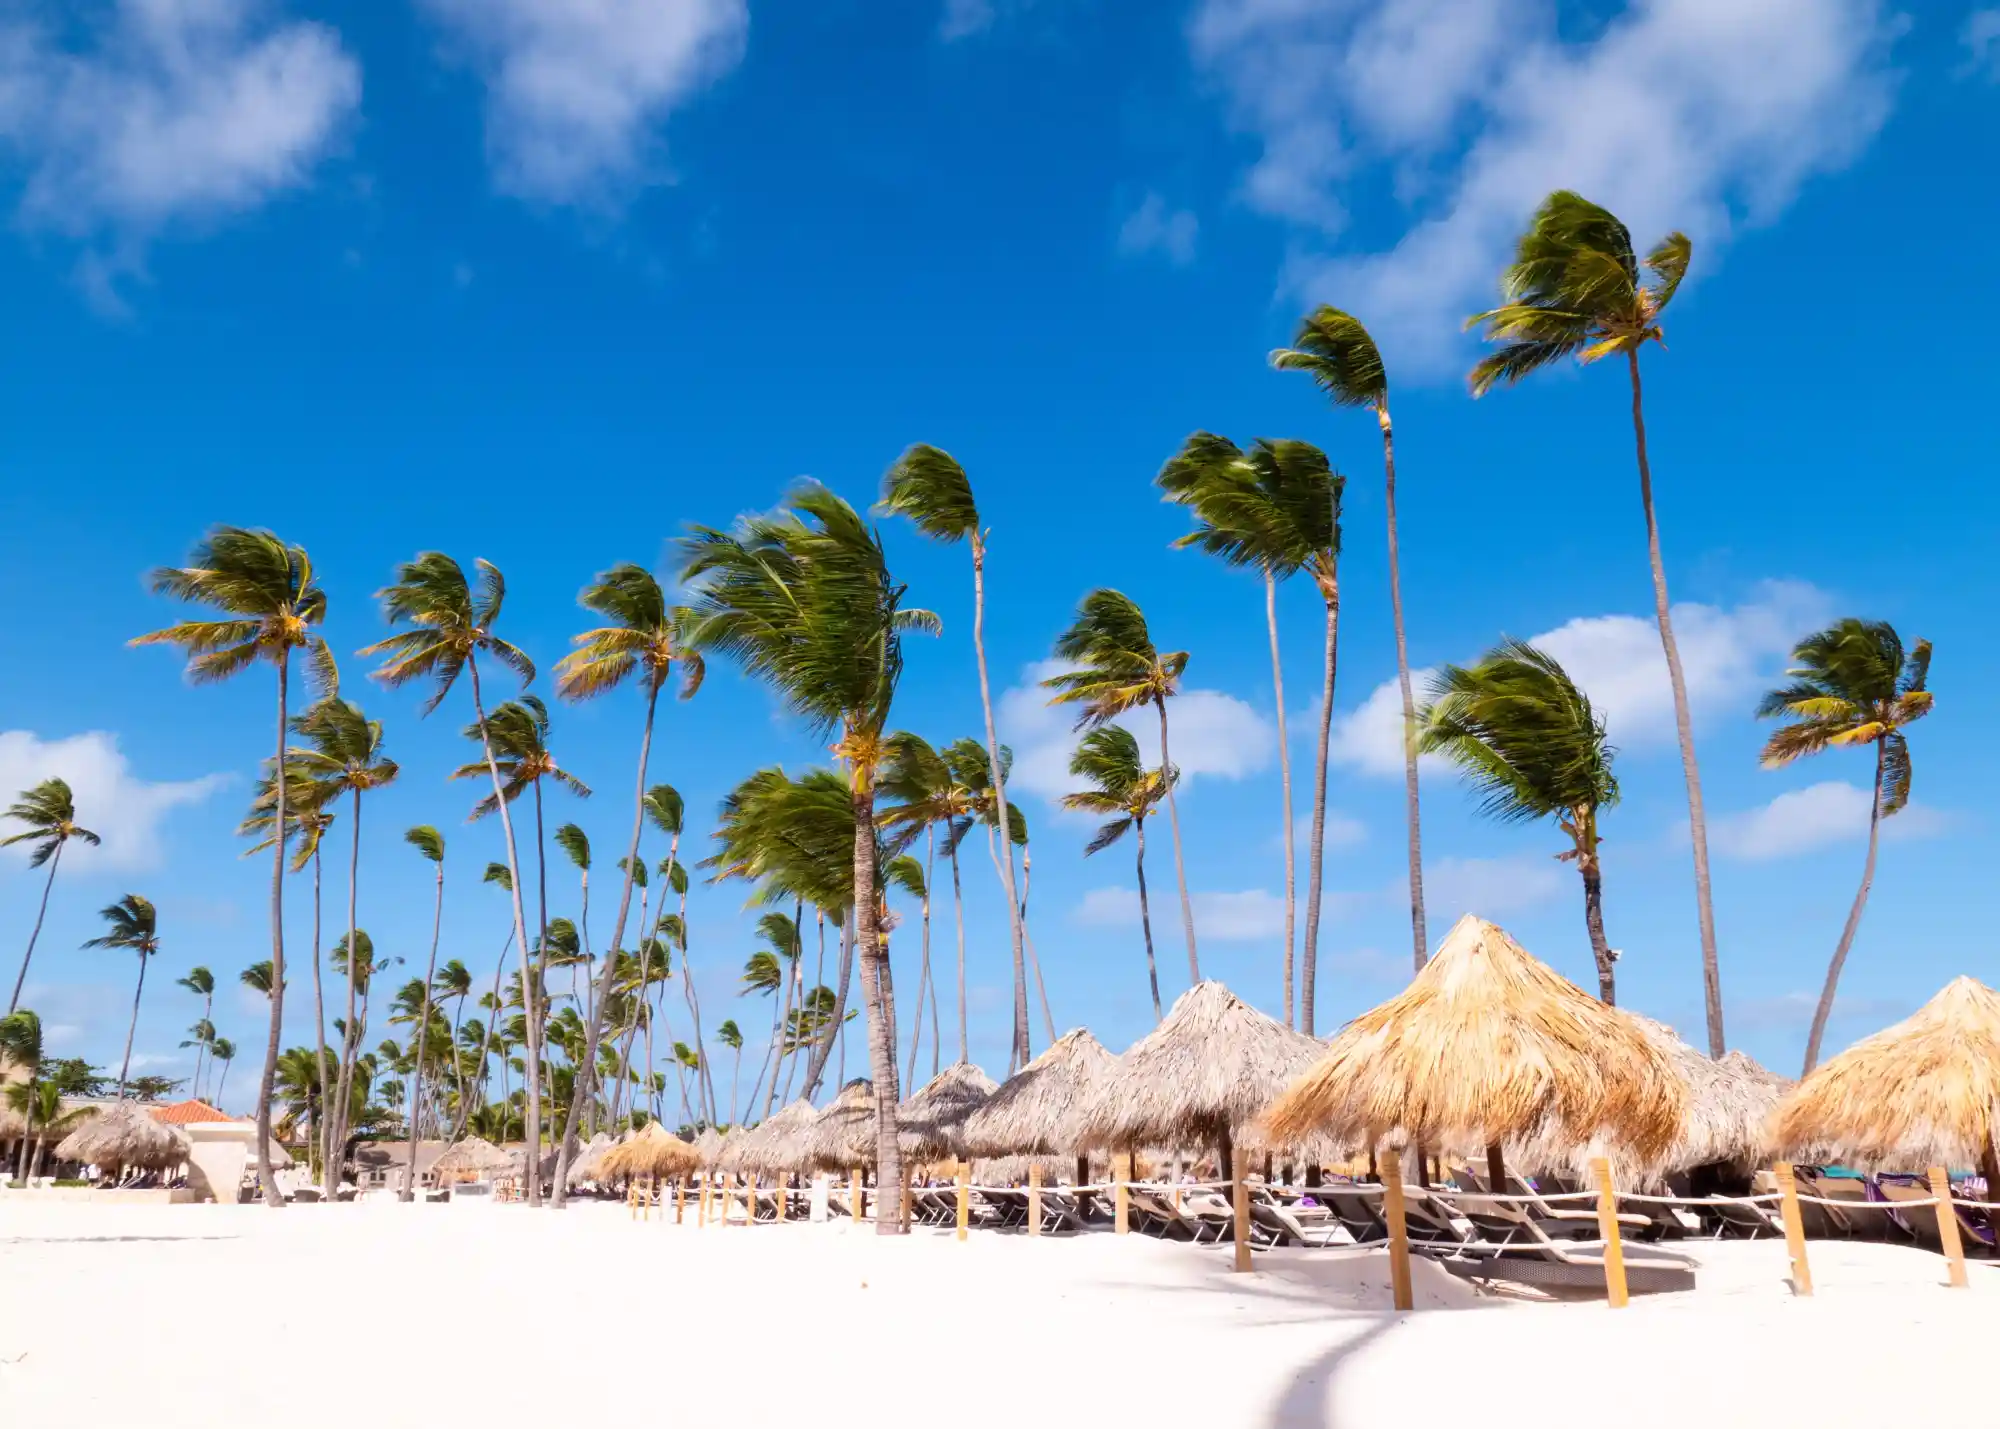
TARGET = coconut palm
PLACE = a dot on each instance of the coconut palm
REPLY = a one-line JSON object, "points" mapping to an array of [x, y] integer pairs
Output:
{"points": [[200, 1033], [803, 599], [933, 490], [909, 876], [928, 790], [222, 1052], [767, 971], [664, 807], [1336, 351], [201, 982], [36, 1099], [1531, 746], [1575, 289], [1122, 787], [49, 811], [453, 628], [1851, 684], [428, 842], [134, 927], [270, 602], [1119, 669], [971, 765], [453, 983], [731, 1036], [258, 978]]}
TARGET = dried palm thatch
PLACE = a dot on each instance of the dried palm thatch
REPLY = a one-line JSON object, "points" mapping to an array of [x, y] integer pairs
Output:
{"points": [[709, 1145], [654, 1151], [472, 1159], [1919, 1094], [931, 1121], [124, 1135], [842, 1137], [773, 1147], [1038, 1110], [1200, 1078], [1488, 1046], [584, 1168]]}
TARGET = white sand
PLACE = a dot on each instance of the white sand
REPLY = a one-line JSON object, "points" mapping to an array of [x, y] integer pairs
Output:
{"points": [[217, 1316]]}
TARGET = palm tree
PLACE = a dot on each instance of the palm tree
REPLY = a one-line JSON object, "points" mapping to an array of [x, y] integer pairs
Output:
{"points": [[21, 1046], [200, 982], [200, 1033], [928, 790], [1853, 683], [731, 1036], [135, 927], [50, 814], [428, 842], [453, 627], [1118, 669], [266, 591], [258, 978], [222, 1051], [908, 875], [1532, 748], [40, 1106], [767, 971], [1336, 351], [1123, 787], [453, 983], [931, 489], [804, 600], [664, 806], [1575, 290]]}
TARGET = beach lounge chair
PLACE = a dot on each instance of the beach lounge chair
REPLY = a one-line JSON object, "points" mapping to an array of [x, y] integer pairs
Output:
{"points": [[1534, 1257], [1503, 1221], [1918, 1222], [1744, 1222], [1062, 1212], [1155, 1215], [1276, 1224]]}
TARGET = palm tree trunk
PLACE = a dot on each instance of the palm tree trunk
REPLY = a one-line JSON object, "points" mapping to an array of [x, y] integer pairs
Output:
{"points": [[532, 1128], [704, 1081], [1034, 958], [735, 1066], [781, 1006], [1146, 921], [350, 1037], [423, 1036], [15, 1001], [1825, 1008], [1711, 972], [1593, 920], [268, 1080], [486, 1047], [999, 797], [208, 1018], [958, 913], [1285, 779], [319, 1007], [536, 997], [924, 959], [1315, 853], [823, 1045], [1418, 934], [125, 1067], [877, 992], [1180, 863]]}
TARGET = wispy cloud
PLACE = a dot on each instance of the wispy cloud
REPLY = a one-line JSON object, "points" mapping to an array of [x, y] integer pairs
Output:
{"points": [[1981, 38], [1795, 1010], [1247, 916], [1154, 229], [1802, 820], [962, 19], [121, 808]]}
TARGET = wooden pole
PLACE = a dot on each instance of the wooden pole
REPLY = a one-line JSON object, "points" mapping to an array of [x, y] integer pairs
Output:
{"points": [[964, 1197], [706, 1190], [680, 1197], [854, 1193], [1795, 1228], [1121, 1172], [1035, 1198], [784, 1191], [1947, 1214], [909, 1179], [1607, 1228], [752, 1219], [1240, 1221], [1391, 1166]]}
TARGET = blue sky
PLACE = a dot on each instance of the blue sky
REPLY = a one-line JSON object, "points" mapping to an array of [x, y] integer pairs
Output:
{"points": [[543, 283]]}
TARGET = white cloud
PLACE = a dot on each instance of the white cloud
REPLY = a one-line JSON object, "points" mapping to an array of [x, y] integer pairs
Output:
{"points": [[1209, 733], [1153, 228], [1617, 660], [1242, 917], [1812, 818], [125, 811], [1796, 1009], [1491, 887], [1691, 114], [577, 91], [168, 113], [963, 19], [1982, 43]]}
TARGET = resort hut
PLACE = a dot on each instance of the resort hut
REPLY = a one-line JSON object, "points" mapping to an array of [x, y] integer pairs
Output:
{"points": [[1916, 1095], [773, 1147], [1489, 1046], [842, 1137], [654, 1151], [124, 1135], [1198, 1080], [584, 1168], [473, 1159], [1039, 1110], [931, 1121]]}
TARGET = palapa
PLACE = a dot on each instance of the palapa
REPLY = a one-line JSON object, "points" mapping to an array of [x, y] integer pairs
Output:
{"points": [[931, 1121], [1199, 1079], [654, 1151], [1487, 1046], [773, 1147], [584, 1168], [1919, 1094], [842, 1137], [470, 1160], [123, 1135], [1039, 1110]]}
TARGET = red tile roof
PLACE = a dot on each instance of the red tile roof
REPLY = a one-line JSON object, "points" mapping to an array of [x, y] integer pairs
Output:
{"points": [[188, 1112]]}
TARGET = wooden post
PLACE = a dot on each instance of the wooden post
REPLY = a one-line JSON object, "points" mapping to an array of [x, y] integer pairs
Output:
{"points": [[707, 1182], [752, 1202], [1607, 1228], [1035, 1198], [1795, 1228], [784, 1191], [1121, 1172], [1947, 1214], [1240, 1221], [1391, 1164], [680, 1197], [964, 1197], [854, 1193], [909, 1176]]}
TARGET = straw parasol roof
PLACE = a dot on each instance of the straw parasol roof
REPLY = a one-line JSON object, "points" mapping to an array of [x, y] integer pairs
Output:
{"points": [[584, 1167], [843, 1136], [474, 1157], [1918, 1094], [123, 1135], [931, 1121], [1038, 1110], [1202, 1075], [775, 1146], [1488, 1046], [654, 1151]]}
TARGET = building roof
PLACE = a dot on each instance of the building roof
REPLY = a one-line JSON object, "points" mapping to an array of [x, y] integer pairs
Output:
{"points": [[188, 1113]]}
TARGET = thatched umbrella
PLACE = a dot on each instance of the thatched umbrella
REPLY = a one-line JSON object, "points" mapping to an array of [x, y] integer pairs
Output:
{"points": [[123, 1135], [584, 1168], [472, 1159], [1199, 1079], [931, 1121], [775, 1146], [842, 1137], [1488, 1046], [655, 1151], [1039, 1110], [1919, 1094]]}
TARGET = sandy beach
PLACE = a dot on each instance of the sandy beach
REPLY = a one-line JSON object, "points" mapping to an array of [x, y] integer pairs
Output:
{"points": [[200, 1316]]}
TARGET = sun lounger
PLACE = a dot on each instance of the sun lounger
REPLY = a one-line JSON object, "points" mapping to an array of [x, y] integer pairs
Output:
{"points": [[1277, 1225], [1360, 1215], [1061, 1211], [1534, 1257], [1919, 1222]]}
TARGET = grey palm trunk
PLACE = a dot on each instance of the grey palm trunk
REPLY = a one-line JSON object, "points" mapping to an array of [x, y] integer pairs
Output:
{"points": [[1180, 862], [423, 1038], [1146, 918], [1593, 918], [998, 775], [1285, 781], [1315, 854], [352, 1031], [823, 1045], [14, 1002], [1412, 807], [319, 1011], [1853, 925], [878, 993], [125, 1067], [267, 1081], [958, 913]]}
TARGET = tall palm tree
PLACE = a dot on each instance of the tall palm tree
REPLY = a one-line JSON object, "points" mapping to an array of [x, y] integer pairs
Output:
{"points": [[49, 811], [1575, 289], [803, 599], [258, 978], [731, 1036], [428, 842], [931, 788], [453, 983], [453, 627], [222, 1052], [663, 805], [1117, 669], [270, 602], [1337, 352], [971, 767], [200, 1033], [201, 982], [907, 874], [135, 927], [21, 1046], [1123, 787], [933, 490], [768, 971], [1853, 683], [1532, 748]]}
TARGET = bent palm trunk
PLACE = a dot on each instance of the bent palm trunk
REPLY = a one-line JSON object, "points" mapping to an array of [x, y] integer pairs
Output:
{"points": [[999, 794], [880, 999], [1285, 780], [1146, 921], [20, 981], [1411, 806], [423, 1039], [1315, 868], [1826, 996], [267, 1082], [1180, 863]]}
